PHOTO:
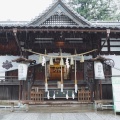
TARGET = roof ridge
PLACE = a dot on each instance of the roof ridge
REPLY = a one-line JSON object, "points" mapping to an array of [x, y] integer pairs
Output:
{"points": [[67, 6]]}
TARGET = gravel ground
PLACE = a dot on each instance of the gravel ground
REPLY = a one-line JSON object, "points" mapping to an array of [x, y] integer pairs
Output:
{"points": [[72, 112]]}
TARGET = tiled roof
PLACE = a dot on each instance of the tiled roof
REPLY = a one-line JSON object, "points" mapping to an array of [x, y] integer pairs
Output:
{"points": [[94, 24], [106, 23], [13, 23], [89, 24], [53, 6]]}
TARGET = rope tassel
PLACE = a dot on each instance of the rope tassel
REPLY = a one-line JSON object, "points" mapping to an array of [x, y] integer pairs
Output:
{"points": [[46, 87], [82, 59], [76, 88], [61, 87]]}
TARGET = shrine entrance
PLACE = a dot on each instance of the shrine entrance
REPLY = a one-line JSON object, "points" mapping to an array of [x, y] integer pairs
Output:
{"points": [[56, 74]]}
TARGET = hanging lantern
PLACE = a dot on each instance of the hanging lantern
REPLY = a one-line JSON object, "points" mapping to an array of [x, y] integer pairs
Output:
{"points": [[61, 61], [82, 59], [71, 61], [40, 59], [51, 61]]}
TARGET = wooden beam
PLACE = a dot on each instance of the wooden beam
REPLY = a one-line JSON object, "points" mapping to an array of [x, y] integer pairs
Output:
{"points": [[61, 30]]}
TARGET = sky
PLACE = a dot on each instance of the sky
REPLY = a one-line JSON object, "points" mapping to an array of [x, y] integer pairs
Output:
{"points": [[22, 10]]}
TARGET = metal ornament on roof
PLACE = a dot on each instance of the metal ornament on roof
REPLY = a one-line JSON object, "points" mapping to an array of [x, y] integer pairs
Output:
{"points": [[59, 12]]}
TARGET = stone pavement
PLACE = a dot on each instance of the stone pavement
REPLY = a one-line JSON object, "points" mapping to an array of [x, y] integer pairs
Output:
{"points": [[58, 113]]}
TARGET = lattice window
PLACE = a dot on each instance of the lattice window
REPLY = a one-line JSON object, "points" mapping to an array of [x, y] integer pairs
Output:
{"points": [[59, 20]]}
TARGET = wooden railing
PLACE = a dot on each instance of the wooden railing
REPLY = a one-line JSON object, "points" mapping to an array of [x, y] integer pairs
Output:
{"points": [[37, 95], [84, 96], [10, 80]]}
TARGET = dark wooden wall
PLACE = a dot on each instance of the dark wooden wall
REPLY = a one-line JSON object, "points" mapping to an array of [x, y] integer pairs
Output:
{"points": [[37, 72], [9, 92], [107, 91], [12, 92]]}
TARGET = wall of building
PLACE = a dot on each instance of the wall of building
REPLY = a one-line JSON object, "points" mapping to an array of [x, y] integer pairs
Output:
{"points": [[6, 64], [9, 92]]}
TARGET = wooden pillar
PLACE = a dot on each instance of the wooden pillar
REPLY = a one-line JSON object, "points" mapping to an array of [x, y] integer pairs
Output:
{"points": [[75, 73], [96, 81], [46, 82], [100, 90], [20, 90], [97, 95], [24, 90], [92, 92], [28, 90], [85, 70], [45, 73]]}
